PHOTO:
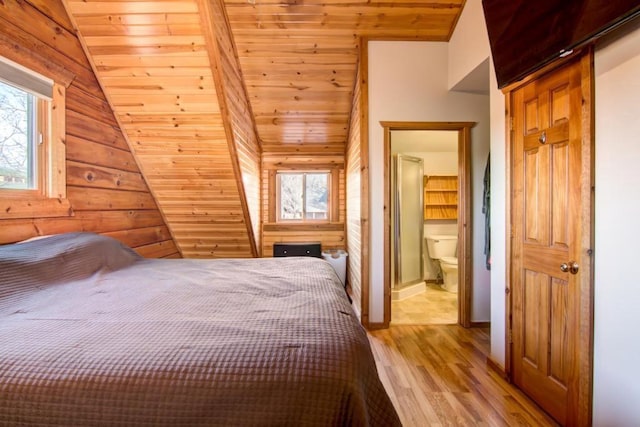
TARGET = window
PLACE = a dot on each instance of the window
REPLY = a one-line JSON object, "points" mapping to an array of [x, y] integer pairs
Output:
{"points": [[32, 144], [303, 196], [20, 135]]}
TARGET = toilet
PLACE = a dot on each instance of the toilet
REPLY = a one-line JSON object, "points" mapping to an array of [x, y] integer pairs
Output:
{"points": [[443, 248]]}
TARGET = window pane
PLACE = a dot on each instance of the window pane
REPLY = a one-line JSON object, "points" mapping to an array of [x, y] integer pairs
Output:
{"points": [[316, 196], [291, 196], [17, 130]]}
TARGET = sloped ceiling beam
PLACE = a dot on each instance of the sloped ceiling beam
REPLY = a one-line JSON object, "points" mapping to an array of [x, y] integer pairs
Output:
{"points": [[236, 111]]}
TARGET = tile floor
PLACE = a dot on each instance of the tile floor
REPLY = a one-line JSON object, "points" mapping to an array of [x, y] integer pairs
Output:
{"points": [[433, 307]]}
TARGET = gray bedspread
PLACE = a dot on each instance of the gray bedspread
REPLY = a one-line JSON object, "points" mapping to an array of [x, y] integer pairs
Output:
{"points": [[93, 334]]}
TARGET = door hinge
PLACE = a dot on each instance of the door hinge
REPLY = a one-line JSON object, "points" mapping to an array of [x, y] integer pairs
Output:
{"points": [[511, 123], [510, 336]]}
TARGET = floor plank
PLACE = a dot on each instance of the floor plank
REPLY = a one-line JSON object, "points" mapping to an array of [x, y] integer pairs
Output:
{"points": [[437, 375], [434, 306]]}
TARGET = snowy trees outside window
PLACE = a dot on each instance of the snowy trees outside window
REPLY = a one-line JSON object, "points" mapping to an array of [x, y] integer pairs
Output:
{"points": [[17, 142], [303, 196]]}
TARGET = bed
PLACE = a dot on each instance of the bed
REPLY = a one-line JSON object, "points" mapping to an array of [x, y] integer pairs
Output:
{"points": [[93, 334]]}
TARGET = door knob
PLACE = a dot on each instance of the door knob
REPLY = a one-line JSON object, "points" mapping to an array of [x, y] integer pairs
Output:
{"points": [[543, 137], [571, 267]]}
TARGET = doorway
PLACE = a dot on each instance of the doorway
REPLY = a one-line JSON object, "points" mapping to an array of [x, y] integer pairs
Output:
{"points": [[424, 213], [462, 132]]}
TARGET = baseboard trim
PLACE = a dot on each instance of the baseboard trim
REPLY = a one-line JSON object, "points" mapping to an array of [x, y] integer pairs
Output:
{"points": [[497, 368], [480, 324], [375, 326]]}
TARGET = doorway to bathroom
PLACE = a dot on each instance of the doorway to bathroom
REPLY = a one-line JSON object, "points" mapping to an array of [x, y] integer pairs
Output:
{"points": [[427, 240]]}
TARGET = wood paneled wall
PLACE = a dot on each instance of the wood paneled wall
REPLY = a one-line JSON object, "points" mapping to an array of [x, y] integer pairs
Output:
{"points": [[239, 121], [105, 188], [301, 157], [353, 199], [157, 62]]}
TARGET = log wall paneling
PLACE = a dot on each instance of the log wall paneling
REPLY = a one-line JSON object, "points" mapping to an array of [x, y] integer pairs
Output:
{"points": [[330, 235], [155, 63], [353, 199], [106, 191]]}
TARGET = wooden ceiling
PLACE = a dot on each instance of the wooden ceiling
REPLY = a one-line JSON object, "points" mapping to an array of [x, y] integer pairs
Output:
{"points": [[299, 57], [154, 62], [204, 89]]}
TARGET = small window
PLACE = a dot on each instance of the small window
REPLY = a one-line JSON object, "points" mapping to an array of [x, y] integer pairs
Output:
{"points": [[20, 134], [303, 196], [32, 144]]}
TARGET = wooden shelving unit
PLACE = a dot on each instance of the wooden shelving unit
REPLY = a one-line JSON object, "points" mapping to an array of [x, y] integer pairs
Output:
{"points": [[441, 197]]}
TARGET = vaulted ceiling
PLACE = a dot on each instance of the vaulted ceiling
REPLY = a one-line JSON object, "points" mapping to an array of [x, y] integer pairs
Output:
{"points": [[202, 87], [299, 57]]}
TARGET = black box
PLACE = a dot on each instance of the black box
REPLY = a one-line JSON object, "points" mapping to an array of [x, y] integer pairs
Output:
{"points": [[297, 249]]}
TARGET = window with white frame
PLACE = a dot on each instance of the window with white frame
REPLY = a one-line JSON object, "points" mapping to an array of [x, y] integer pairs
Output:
{"points": [[31, 134], [303, 196], [20, 135]]}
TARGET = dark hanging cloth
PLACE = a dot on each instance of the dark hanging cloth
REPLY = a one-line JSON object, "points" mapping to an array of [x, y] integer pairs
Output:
{"points": [[486, 210]]}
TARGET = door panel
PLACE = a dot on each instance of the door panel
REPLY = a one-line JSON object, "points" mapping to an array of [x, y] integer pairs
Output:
{"points": [[560, 195], [534, 335], [559, 333], [531, 121], [546, 183], [559, 104]]}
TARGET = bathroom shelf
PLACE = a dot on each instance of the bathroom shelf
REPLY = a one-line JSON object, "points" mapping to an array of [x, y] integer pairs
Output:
{"points": [[440, 197]]}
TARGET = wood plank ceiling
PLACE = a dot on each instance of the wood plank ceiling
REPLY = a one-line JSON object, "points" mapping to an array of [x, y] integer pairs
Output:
{"points": [[154, 61], [189, 109], [299, 57]]}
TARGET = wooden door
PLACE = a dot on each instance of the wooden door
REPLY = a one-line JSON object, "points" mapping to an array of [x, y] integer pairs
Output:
{"points": [[547, 227]]}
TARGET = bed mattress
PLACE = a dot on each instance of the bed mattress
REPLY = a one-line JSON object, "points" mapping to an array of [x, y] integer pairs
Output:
{"points": [[93, 334]]}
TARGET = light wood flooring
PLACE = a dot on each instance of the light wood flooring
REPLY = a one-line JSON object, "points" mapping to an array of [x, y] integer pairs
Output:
{"points": [[437, 376], [435, 306]]}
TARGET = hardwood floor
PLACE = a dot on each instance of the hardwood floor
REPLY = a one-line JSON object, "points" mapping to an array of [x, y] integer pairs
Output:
{"points": [[437, 376], [435, 306]]}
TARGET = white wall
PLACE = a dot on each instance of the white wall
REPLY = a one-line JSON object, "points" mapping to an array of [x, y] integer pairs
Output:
{"points": [[469, 44], [617, 270], [617, 209], [498, 221], [469, 47], [408, 81]]}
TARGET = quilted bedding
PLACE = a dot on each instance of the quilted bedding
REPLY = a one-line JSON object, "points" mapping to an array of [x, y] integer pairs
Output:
{"points": [[93, 334]]}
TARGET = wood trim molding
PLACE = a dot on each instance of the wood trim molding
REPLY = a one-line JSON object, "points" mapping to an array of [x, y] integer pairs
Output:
{"points": [[377, 326], [508, 234], [479, 324], [271, 211], [334, 214], [307, 226], [364, 181], [386, 265], [395, 125], [494, 366], [280, 165], [465, 267], [213, 50], [587, 193]]}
